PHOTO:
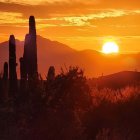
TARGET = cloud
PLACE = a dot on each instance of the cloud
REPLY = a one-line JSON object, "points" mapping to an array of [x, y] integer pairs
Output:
{"points": [[35, 2], [64, 20], [11, 17], [126, 4], [84, 20], [39, 2]]}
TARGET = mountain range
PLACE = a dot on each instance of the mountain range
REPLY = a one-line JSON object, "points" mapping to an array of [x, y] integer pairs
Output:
{"points": [[117, 80], [60, 55]]}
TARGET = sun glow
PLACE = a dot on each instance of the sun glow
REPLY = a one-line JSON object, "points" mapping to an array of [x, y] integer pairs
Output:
{"points": [[110, 47]]}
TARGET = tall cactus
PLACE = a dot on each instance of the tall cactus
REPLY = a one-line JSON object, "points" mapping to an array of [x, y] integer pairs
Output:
{"points": [[51, 74], [30, 50], [5, 72], [23, 75], [5, 82], [26, 54], [50, 81], [33, 45], [32, 26], [12, 65]]}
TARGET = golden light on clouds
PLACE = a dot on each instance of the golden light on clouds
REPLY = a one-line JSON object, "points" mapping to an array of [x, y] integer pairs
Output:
{"points": [[79, 20], [78, 23], [37, 2], [11, 17]]}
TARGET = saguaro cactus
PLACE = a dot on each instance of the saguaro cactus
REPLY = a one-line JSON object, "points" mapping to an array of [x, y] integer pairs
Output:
{"points": [[32, 26], [5, 82], [30, 49], [51, 74], [23, 74], [50, 80], [32, 32], [5, 72], [26, 55], [12, 65]]}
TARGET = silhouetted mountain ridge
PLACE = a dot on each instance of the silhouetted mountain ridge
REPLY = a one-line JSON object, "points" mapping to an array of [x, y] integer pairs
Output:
{"points": [[60, 55], [117, 80]]}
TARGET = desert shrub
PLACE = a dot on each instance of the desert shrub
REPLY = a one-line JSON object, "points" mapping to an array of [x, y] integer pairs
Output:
{"points": [[67, 97], [67, 108], [115, 114]]}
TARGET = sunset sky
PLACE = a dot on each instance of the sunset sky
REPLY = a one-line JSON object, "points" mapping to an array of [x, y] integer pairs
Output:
{"points": [[81, 24]]}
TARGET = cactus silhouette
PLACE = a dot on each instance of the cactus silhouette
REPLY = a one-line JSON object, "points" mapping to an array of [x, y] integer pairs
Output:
{"points": [[51, 74], [5, 82], [30, 50], [23, 75], [12, 65], [5, 73], [25, 54]]}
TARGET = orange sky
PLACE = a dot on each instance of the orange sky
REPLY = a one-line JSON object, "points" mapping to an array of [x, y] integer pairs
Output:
{"points": [[81, 24]]}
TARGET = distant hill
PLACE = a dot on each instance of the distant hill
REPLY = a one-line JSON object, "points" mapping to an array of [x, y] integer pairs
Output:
{"points": [[117, 80], [60, 55]]}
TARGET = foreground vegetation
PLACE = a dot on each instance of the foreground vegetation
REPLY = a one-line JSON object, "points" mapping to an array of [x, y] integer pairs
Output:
{"points": [[66, 108]]}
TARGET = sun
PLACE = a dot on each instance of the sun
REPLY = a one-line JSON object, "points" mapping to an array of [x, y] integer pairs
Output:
{"points": [[110, 47]]}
